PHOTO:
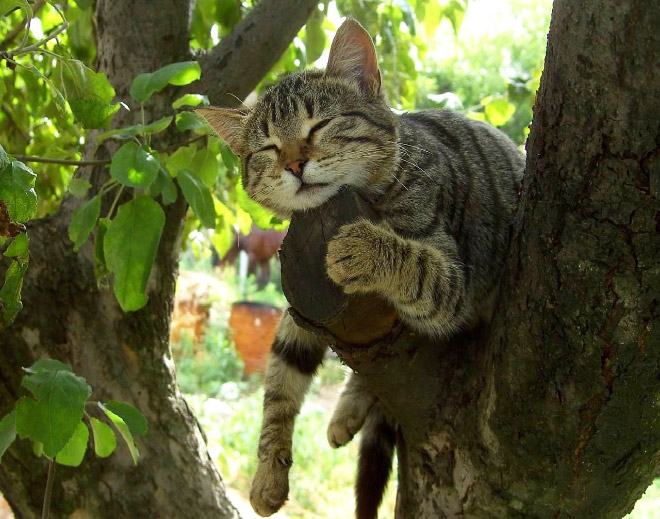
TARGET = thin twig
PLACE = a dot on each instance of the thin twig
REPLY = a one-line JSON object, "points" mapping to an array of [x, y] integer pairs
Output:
{"points": [[35, 46], [64, 162], [45, 511]]}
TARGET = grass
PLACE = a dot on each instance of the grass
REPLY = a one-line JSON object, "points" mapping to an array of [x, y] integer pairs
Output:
{"points": [[321, 477]]}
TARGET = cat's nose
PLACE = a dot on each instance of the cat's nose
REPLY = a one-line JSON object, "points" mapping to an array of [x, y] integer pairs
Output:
{"points": [[296, 167]]}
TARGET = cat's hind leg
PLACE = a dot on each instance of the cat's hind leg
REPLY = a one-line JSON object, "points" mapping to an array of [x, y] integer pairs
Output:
{"points": [[295, 355], [349, 415]]}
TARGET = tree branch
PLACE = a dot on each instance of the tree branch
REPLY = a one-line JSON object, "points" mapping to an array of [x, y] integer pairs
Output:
{"points": [[251, 49], [63, 162]]}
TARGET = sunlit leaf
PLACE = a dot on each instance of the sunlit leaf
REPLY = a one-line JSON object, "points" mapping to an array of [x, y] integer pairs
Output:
{"points": [[182, 73], [133, 165], [198, 196], [47, 365], [124, 430], [191, 121], [10, 293], [261, 216], [498, 111], [73, 452], [17, 190], [314, 36], [190, 100], [133, 418], [105, 440], [130, 246], [18, 247], [137, 129], [88, 93]]}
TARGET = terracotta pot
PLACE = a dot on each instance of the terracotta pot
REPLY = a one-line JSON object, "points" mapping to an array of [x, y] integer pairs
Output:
{"points": [[254, 326]]}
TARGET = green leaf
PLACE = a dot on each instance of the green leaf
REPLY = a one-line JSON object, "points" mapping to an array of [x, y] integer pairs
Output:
{"points": [[83, 220], [17, 190], [133, 418], [105, 440], [89, 94], [190, 100], [100, 268], [9, 5], [7, 432], [499, 111], [38, 449], [133, 165], [260, 216], [191, 121], [227, 12], [182, 73], [18, 247], [137, 129], [10, 294], [198, 197], [180, 159], [130, 246], [73, 452], [314, 36], [123, 429], [60, 102], [47, 365], [78, 187], [163, 185], [51, 419], [205, 166]]}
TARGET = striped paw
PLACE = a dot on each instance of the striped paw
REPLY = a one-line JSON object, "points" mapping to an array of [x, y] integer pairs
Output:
{"points": [[352, 260]]}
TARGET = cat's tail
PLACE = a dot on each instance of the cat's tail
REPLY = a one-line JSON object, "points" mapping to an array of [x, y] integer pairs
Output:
{"points": [[375, 463]]}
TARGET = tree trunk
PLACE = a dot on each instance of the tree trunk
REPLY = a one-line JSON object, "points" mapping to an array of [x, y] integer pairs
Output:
{"points": [[126, 355], [550, 411]]}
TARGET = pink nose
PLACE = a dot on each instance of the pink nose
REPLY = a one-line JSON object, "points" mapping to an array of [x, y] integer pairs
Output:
{"points": [[296, 167]]}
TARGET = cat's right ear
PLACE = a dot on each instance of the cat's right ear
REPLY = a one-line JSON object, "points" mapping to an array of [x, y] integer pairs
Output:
{"points": [[353, 57], [228, 124]]}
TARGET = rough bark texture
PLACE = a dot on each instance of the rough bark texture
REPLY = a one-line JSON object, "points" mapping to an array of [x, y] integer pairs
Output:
{"points": [[123, 356], [551, 411]]}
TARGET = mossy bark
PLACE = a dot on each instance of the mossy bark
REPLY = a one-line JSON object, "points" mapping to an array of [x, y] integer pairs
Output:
{"points": [[552, 410], [125, 356]]}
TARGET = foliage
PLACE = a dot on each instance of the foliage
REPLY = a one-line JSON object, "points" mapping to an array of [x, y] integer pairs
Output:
{"points": [[53, 418]]}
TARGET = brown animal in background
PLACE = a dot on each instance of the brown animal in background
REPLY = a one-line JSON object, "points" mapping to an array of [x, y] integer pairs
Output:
{"points": [[260, 245]]}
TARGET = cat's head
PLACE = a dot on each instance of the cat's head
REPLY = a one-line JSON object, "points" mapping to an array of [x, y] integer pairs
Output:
{"points": [[315, 131]]}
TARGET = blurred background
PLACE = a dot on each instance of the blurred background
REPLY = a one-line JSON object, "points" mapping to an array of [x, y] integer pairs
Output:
{"points": [[481, 57]]}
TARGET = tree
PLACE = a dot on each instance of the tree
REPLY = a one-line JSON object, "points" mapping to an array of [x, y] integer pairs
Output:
{"points": [[551, 411], [68, 317]]}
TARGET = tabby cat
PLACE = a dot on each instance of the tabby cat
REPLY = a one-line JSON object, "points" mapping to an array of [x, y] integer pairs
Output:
{"points": [[445, 188]]}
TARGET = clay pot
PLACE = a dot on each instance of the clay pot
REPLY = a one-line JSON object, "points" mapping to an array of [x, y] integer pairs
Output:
{"points": [[254, 326]]}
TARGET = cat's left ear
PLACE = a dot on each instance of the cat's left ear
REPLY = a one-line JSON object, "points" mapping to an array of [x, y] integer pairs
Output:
{"points": [[353, 57], [228, 124]]}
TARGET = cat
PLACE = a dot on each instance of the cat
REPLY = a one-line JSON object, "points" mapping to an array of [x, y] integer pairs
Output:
{"points": [[445, 188]]}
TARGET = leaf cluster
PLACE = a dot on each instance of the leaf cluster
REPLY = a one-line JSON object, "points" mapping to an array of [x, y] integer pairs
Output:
{"points": [[56, 421]]}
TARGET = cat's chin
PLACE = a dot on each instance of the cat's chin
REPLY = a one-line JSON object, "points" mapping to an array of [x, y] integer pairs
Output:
{"points": [[309, 196]]}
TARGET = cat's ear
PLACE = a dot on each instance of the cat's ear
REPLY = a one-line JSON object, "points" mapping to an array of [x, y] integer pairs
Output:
{"points": [[228, 124], [353, 56]]}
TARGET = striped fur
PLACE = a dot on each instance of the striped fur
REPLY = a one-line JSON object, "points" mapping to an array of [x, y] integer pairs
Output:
{"points": [[445, 188]]}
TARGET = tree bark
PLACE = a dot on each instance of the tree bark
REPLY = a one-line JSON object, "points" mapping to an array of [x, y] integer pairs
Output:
{"points": [[124, 356], [551, 410]]}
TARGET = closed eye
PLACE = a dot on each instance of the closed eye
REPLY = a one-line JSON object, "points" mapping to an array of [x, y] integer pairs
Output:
{"points": [[318, 126], [269, 147]]}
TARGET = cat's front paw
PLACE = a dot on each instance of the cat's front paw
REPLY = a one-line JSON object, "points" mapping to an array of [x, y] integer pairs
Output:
{"points": [[270, 486], [353, 257]]}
